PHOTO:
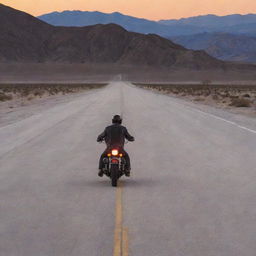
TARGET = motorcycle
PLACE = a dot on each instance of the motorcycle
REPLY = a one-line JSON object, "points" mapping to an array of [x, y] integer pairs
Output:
{"points": [[114, 165]]}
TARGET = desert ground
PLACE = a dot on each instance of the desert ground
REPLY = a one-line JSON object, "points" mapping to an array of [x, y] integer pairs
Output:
{"points": [[91, 73], [234, 97], [192, 189], [19, 101]]}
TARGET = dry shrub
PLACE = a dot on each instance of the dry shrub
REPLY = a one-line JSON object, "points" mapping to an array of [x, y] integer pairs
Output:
{"points": [[233, 97], [38, 93], [5, 97], [240, 103], [30, 98], [25, 92], [215, 97], [224, 95], [199, 99]]}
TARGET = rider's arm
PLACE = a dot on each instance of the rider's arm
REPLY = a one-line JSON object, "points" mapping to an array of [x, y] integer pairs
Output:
{"points": [[128, 136], [101, 136]]}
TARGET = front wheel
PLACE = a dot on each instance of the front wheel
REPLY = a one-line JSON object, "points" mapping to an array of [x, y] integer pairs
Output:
{"points": [[114, 175]]}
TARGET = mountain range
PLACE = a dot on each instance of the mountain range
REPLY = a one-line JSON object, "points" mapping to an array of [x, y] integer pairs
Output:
{"points": [[24, 38], [79, 19], [236, 24], [230, 37]]}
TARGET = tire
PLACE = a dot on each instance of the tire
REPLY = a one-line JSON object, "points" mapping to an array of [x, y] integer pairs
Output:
{"points": [[114, 175]]}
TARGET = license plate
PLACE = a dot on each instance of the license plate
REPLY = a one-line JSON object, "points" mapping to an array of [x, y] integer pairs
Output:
{"points": [[114, 161]]}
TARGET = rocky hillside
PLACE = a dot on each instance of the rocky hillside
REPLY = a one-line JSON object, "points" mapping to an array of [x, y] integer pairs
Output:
{"points": [[24, 38], [223, 46]]}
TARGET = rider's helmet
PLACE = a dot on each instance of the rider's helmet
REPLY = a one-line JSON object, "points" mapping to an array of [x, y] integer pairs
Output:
{"points": [[117, 119]]}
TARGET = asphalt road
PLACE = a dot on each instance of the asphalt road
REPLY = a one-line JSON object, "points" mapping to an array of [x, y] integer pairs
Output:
{"points": [[192, 191]]}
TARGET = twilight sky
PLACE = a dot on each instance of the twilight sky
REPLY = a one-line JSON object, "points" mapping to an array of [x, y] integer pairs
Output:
{"points": [[149, 9]]}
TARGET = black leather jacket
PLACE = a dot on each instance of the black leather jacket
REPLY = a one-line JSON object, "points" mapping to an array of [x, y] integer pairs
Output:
{"points": [[115, 135]]}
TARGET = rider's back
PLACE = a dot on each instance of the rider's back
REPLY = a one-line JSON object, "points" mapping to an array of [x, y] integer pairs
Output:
{"points": [[115, 135]]}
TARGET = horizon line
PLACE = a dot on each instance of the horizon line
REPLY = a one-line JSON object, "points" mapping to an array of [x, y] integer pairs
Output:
{"points": [[131, 15], [199, 15]]}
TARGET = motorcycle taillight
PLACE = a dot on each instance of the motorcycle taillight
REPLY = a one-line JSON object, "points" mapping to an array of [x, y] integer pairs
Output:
{"points": [[114, 152]]}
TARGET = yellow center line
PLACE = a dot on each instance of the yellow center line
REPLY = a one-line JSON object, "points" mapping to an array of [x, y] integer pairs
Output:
{"points": [[125, 242], [118, 222], [121, 234]]}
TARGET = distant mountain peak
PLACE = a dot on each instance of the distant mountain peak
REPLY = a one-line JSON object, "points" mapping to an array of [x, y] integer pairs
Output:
{"points": [[117, 13]]}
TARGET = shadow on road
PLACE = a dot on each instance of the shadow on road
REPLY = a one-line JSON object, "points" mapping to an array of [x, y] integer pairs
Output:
{"points": [[141, 182], [91, 183], [105, 182]]}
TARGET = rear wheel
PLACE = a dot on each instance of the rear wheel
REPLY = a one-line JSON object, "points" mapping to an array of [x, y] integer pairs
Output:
{"points": [[114, 175]]}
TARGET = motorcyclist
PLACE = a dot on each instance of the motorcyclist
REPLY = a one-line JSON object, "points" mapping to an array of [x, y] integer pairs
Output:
{"points": [[114, 136]]}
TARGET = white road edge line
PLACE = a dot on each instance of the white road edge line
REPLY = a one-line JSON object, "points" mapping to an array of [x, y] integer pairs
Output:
{"points": [[225, 120], [209, 114]]}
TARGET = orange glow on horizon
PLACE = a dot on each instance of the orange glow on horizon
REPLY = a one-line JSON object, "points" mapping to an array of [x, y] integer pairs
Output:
{"points": [[154, 10]]}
